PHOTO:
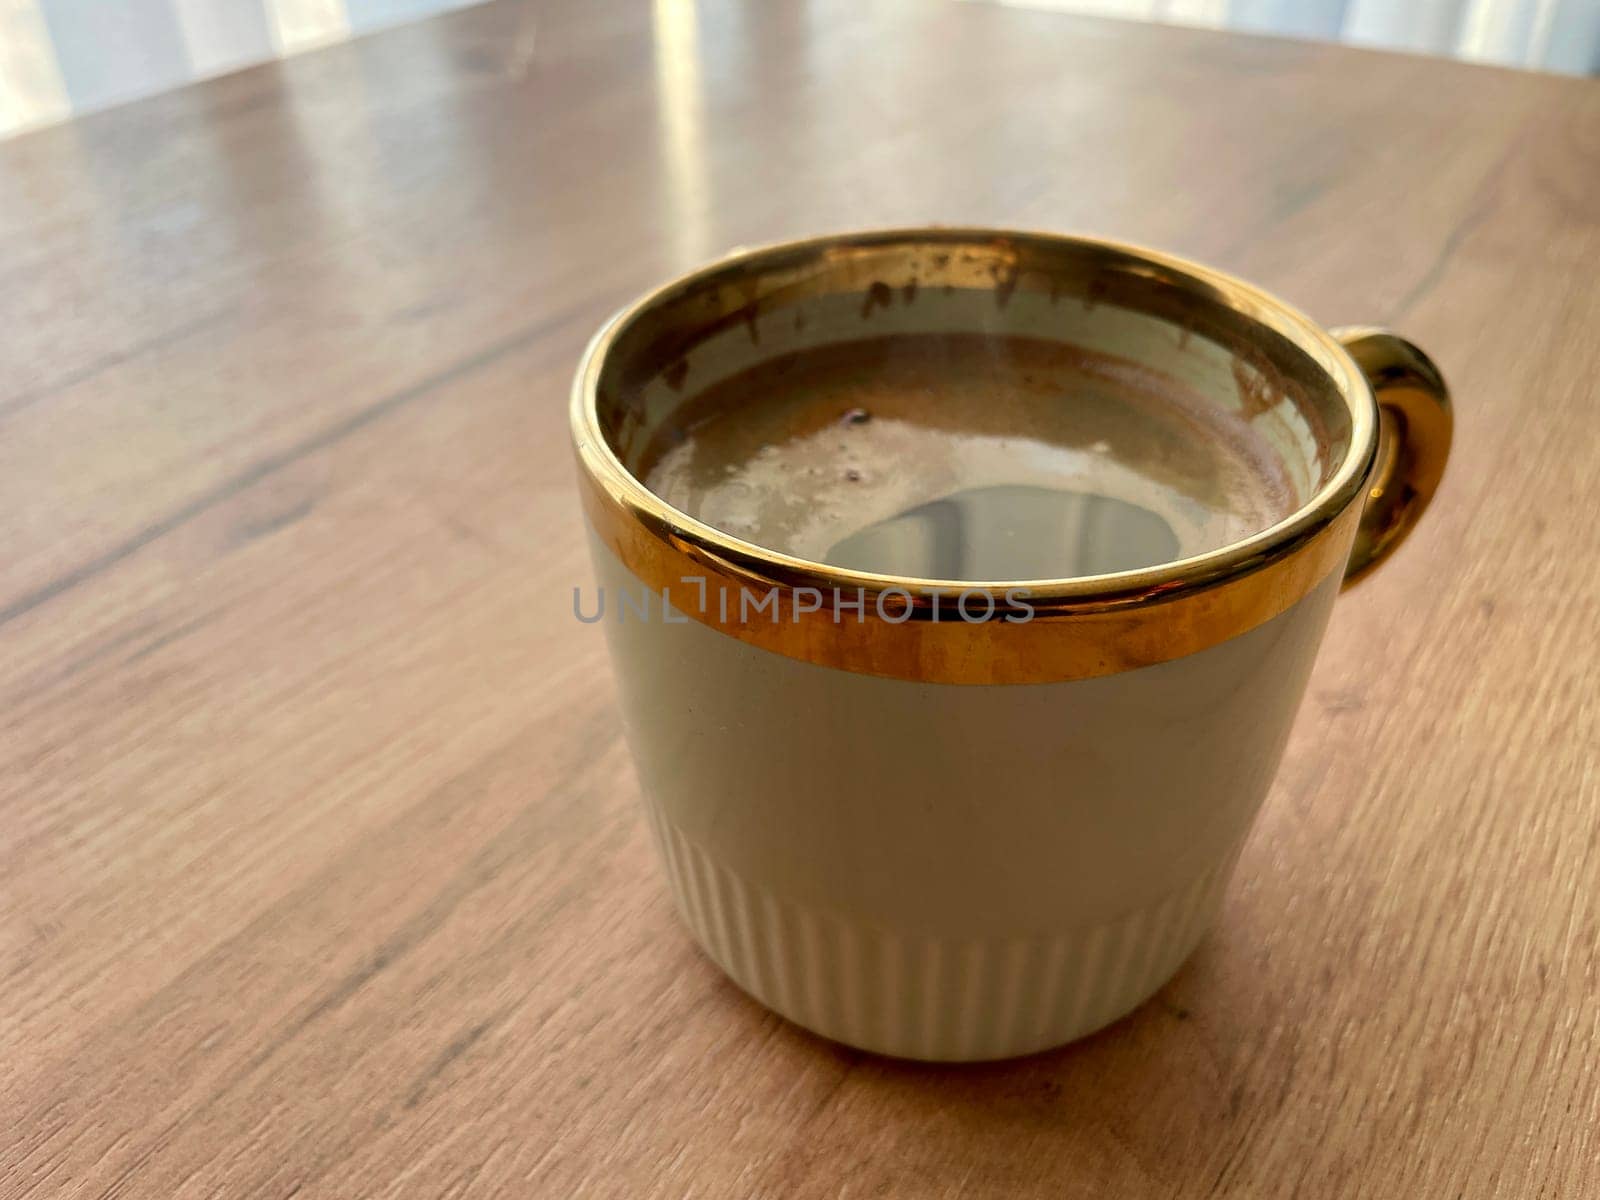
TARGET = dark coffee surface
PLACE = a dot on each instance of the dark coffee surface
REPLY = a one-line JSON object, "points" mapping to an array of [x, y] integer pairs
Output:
{"points": [[963, 456]]}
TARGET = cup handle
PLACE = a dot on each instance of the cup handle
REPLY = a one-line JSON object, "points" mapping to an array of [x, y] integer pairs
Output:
{"points": [[1414, 428]]}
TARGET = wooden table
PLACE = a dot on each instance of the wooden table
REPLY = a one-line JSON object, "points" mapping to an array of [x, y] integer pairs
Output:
{"points": [[322, 871]]}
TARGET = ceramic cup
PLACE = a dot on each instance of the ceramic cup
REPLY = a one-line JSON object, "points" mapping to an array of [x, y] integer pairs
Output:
{"points": [[959, 839]]}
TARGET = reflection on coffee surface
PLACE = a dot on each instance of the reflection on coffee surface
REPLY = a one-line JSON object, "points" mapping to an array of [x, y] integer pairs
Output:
{"points": [[968, 457]]}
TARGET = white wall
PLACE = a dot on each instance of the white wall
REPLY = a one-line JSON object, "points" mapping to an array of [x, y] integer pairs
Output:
{"points": [[1551, 35], [59, 57]]}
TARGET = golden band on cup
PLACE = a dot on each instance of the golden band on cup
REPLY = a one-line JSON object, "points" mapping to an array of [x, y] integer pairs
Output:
{"points": [[952, 631]]}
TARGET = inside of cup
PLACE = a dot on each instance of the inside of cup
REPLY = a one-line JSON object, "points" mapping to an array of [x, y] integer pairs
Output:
{"points": [[1232, 397]]}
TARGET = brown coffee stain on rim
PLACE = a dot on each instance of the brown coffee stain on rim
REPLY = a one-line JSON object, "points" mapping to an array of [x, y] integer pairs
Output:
{"points": [[1081, 627]]}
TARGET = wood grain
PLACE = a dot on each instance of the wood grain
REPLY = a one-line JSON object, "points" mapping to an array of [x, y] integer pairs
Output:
{"points": [[321, 870]]}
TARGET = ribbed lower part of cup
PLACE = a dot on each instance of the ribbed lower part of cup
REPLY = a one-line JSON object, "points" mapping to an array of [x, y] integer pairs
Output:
{"points": [[916, 996]]}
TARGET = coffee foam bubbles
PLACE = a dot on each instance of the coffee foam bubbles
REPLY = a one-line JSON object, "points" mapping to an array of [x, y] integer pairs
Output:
{"points": [[803, 453]]}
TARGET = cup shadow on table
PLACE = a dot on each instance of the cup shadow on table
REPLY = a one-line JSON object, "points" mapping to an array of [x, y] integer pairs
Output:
{"points": [[1121, 1097]]}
